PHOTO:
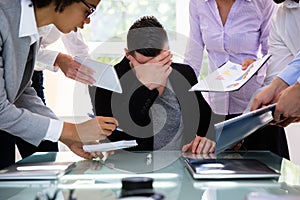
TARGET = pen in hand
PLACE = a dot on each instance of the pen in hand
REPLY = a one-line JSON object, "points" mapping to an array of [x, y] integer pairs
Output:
{"points": [[93, 116]]}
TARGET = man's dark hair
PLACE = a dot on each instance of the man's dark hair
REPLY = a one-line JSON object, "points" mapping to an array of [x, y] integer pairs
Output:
{"points": [[280, 1], [147, 37], [60, 5]]}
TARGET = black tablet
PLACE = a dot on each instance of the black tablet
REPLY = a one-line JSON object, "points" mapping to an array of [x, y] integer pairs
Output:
{"points": [[229, 169]]}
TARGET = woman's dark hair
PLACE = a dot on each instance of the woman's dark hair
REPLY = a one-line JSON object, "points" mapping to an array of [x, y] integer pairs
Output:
{"points": [[60, 5], [147, 37]]}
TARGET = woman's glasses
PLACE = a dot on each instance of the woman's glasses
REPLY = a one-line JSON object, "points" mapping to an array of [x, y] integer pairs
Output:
{"points": [[91, 9]]}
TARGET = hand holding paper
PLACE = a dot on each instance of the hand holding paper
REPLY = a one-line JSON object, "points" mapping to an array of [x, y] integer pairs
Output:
{"points": [[229, 77], [110, 146], [105, 74]]}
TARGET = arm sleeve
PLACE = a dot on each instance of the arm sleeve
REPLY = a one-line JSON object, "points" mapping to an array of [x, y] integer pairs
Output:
{"points": [[46, 59], [75, 44], [205, 115], [102, 102], [298, 80], [292, 72], [194, 50], [204, 108], [265, 26], [281, 54], [28, 118]]}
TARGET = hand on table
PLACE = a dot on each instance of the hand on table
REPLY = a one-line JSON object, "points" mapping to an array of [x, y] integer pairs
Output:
{"points": [[200, 145]]}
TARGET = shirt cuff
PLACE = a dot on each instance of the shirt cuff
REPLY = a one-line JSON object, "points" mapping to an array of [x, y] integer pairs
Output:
{"points": [[289, 75], [54, 130], [292, 72], [46, 60]]}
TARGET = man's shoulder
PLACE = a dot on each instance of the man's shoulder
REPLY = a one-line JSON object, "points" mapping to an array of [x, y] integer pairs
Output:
{"points": [[122, 67], [183, 68]]}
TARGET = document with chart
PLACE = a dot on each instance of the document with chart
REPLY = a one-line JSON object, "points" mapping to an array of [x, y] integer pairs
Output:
{"points": [[229, 77], [105, 74]]}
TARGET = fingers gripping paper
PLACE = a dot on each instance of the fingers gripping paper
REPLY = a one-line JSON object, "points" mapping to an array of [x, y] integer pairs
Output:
{"points": [[105, 74]]}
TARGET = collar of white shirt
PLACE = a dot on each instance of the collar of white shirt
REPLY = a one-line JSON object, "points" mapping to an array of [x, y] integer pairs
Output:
{"points": [[28, 25], [291, 4]]}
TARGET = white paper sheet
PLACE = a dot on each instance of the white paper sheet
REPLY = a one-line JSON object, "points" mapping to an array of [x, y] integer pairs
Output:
{"points": [[110, 146], [105, 74]]}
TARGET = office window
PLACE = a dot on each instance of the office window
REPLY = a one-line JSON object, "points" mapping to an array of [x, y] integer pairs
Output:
{"points": [[106, 34], [113, 18]]}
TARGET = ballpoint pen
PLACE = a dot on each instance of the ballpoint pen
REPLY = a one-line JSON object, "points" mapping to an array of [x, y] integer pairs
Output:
{"points": [[93, 116]]}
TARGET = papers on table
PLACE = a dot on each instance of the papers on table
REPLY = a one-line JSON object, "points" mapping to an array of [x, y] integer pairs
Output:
{"points": [[264, 196], [229, 132], [110, 146], [36, 171], [229, 77], [105, 74]]}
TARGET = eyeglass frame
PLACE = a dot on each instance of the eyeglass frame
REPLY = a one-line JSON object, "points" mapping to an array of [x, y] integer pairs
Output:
{"points": [[90, 7]]}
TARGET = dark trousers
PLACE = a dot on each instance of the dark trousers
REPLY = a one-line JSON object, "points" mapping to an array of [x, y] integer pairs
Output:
{"points": [[270, 138], [8, 141]]}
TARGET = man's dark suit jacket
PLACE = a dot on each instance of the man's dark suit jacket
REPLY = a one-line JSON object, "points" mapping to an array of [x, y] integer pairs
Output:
{"points": [[131, 108]]}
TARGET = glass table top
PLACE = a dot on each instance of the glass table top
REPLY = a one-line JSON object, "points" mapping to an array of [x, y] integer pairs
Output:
{"points": [[98, 179]]}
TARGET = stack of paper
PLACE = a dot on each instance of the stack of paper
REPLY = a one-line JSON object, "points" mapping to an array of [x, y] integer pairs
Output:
{"points": [[110, 146], [36, 171]]}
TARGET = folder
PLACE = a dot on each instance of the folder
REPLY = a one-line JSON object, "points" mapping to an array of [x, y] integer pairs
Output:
{"points": [[231, 131]]}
